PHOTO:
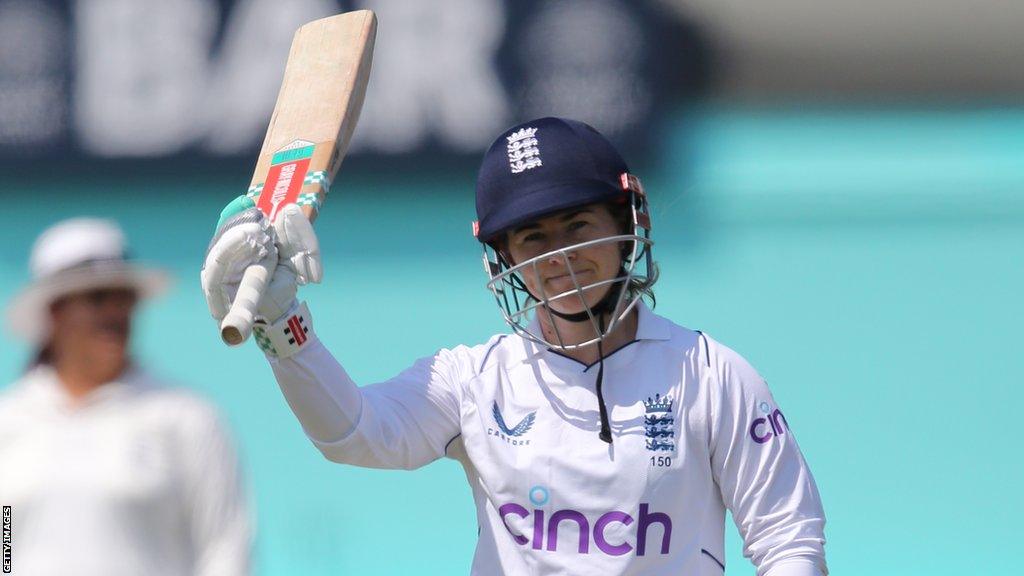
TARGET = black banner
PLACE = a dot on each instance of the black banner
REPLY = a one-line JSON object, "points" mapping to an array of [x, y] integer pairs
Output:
{"points": [[157, 79]]}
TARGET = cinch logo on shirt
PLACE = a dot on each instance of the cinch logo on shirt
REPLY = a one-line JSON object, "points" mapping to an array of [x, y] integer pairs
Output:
{"points": [[511, 435], [545, 530], [773, 424]]}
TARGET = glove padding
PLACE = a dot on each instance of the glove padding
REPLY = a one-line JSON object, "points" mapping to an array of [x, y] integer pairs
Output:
{"points": [[298, 246], [245, 237]]}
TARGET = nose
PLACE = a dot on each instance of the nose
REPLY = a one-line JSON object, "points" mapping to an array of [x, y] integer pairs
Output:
{"points": [[561, 257], [558, 241]]}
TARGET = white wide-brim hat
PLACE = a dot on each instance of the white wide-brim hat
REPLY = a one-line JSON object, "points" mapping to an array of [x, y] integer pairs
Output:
{"points": [[74, 256]]}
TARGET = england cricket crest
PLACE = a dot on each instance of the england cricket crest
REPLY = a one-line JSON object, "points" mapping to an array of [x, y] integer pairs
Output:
{"points": [[523, 150], [659, 424]]}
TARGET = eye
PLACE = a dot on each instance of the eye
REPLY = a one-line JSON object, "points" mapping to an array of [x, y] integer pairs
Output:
{"points": [[531, 237], [578, 224]]}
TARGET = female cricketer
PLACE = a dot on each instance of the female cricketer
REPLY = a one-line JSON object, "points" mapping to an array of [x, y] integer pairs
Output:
{"points": [[597, 437]]}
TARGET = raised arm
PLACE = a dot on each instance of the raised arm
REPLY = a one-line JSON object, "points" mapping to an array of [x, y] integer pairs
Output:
{"points": [[402, 423]]}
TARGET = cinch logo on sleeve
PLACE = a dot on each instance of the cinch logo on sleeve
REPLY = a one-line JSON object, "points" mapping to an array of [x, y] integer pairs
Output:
{"points": [[544, 535], [773, 424]]}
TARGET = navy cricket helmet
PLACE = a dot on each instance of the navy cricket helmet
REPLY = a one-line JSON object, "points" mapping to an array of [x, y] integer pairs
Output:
{"points": [[541, 167]]}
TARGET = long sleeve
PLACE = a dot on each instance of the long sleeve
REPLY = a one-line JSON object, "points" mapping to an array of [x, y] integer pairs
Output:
{"points": [[761, 473], [319, 392], [404, 422], [219, 520]]}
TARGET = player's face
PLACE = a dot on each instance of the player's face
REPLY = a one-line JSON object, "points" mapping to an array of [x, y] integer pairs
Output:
{"points": [[590, 264], [95, 325]]}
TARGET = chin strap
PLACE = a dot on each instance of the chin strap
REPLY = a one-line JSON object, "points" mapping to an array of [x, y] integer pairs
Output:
{"points": [[605, 306], [606, 433]]}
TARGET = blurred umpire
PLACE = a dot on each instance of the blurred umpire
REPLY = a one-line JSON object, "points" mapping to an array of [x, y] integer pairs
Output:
{"points": [[107, 471]]}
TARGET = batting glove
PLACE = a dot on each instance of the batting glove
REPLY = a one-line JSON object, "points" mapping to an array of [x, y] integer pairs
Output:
{"points": [[244, 236]]}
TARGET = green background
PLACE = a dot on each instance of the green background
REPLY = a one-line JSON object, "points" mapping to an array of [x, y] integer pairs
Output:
{"points": [[868, 262]]}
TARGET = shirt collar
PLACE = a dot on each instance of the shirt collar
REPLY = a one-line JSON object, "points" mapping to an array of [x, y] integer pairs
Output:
{"points": [[44, 385], [650, 326]]}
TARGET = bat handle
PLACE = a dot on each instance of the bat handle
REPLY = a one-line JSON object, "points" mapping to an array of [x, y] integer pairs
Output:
{"points": [[237, 325]]}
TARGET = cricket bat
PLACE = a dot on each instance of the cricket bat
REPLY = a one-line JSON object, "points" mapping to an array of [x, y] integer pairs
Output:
{"points": [[316, 112]]}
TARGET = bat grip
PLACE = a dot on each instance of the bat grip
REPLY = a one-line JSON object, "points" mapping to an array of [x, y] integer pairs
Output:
{"points": [[237, 324]]}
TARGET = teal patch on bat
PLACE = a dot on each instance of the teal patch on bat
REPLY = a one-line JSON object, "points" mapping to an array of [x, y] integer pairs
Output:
{"points": [[291, 155]]}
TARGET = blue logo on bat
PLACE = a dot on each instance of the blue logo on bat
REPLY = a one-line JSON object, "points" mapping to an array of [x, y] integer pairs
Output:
{"points": [[519, 429]]}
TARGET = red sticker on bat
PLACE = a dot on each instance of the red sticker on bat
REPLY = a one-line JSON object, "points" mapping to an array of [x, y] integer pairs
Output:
{"points": [[282, 187]]}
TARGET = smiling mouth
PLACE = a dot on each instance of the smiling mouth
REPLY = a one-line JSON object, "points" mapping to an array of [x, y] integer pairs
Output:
{"points": [[567, 276]]}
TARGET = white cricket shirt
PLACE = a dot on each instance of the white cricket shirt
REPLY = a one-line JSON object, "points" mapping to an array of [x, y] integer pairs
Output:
{"points": [[134, 479], [695, 431]]}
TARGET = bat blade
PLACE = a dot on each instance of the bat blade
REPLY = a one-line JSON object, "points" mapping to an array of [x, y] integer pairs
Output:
{"points": [[317, 109]]}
